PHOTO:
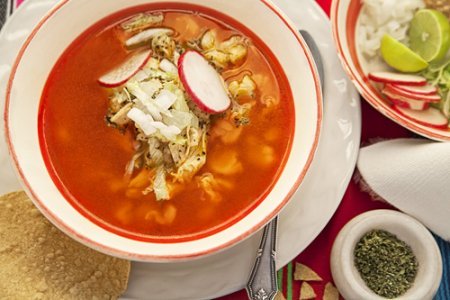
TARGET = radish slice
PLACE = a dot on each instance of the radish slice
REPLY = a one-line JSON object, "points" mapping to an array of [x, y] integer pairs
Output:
{"points": [[420, 90], [125, 71], [203, 83], [405, 79], [146, 35], [391, 90], [430, 117], [411, 104]]}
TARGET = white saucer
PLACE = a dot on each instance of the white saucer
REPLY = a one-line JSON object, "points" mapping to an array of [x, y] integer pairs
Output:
{"points": [[303, 219]]}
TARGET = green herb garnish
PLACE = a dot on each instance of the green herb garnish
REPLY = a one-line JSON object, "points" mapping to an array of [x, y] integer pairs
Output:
{"points": [[387, 265]]}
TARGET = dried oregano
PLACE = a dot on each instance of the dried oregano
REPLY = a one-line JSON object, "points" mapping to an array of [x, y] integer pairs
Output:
{"points": [[387, 265]]}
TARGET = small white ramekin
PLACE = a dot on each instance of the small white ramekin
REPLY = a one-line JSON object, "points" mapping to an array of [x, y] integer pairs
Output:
{"points": [[346, 276]]}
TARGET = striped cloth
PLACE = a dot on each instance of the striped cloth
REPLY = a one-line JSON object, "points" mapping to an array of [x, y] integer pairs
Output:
{"points": [[285, 276], [444, 290]]}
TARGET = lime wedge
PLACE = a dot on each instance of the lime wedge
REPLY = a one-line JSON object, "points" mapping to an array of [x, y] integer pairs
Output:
{"points": [[429, 34], [401, 57]]}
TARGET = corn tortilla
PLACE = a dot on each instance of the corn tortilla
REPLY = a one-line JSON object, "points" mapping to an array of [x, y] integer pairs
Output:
{"points": [[305, 273], [279, 296], [330, 292], [307, 292], [37, 261]]}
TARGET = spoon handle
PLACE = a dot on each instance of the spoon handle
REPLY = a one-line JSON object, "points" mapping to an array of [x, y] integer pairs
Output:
{"points": [[312, 45], [262, 284]]}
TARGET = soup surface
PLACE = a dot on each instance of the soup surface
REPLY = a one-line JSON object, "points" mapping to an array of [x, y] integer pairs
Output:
{"points": [[89, 156]]}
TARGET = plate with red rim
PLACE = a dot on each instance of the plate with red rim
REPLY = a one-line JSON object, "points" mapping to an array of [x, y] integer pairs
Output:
{"points": [[307, 214], [345, 19]]}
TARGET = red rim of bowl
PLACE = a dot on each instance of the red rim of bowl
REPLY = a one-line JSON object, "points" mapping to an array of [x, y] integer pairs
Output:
{"points": [[354, 70], [161, 258]]}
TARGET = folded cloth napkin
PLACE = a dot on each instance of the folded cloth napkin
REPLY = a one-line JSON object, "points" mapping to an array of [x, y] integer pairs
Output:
{"points": [[413, 175]]}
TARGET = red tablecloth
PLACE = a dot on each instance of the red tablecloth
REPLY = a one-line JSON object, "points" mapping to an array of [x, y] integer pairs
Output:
{"points": [[317, 255]]}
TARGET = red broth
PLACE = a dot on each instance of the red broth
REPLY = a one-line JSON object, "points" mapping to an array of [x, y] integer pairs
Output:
{"points": [[87, 159]]}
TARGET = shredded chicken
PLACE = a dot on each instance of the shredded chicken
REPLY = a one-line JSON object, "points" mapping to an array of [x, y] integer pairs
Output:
{"points": [[142, 21]]}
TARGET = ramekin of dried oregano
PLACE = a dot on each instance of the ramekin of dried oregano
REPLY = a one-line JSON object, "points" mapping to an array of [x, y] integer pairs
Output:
{"points": [[385, 254]]}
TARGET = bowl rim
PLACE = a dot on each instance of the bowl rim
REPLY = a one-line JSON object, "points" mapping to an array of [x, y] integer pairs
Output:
{"points": [[59, 222], [374, 100]]}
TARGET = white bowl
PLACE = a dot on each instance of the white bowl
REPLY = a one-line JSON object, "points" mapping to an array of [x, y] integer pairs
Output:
{"points": [[346, 276], [344, 20], [60, 28]]}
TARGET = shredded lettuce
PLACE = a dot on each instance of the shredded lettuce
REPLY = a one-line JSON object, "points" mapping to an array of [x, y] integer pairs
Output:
{"points": [[135, 89], [180, 119], [172, 141], [144, 100], [142, 21], [165, 99], [142, 120], [193, 163], [170, 129], [160, 185], [167, 66], [445, 106], [439, 76], [153, 64], [151, 87], [180, 104], [155, 155]]}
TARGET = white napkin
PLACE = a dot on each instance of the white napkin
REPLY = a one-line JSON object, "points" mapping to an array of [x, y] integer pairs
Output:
{"points": [[414, 176]]}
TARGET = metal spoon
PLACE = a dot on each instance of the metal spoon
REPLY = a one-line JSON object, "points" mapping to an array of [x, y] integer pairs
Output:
{"points": [[316, 55], [262, 284]]}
